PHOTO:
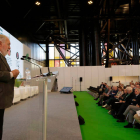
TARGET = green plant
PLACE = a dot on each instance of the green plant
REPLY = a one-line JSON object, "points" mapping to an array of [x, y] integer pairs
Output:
{"points": [[17, 83]]}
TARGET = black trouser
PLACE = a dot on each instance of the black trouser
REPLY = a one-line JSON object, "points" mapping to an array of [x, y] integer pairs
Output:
{"points": [[1, 122], [121, 110]]}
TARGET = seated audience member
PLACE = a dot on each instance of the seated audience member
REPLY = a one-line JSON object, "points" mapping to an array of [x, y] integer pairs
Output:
{"points": [[128, 96], [135, 99], [101, 90], [137, 118], [113, 102], [112, 95], [102, 85], [115, 99], [131, 110], [105, 95]]}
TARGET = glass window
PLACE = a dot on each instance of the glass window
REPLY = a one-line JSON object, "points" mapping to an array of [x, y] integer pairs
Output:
{"points": [[62, 45], [43, 46], [62, 63], [51, 45], [51, 63], [72, 50], [51, 52], [73, 63], [57, 63], [116, 53], [67, 55], [56, 54], [63, 52]]}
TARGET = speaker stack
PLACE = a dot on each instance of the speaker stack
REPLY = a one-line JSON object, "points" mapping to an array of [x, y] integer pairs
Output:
{"points": [[81, 79]]}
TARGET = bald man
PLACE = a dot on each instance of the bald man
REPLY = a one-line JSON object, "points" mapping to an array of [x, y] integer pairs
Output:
{"points": [[7, 80]]}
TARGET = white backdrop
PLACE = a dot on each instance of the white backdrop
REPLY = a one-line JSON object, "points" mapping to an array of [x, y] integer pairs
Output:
{"points": [[94, 75]]}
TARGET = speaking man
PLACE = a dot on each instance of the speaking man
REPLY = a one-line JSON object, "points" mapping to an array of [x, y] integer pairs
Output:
{"points": [[7, 80]]}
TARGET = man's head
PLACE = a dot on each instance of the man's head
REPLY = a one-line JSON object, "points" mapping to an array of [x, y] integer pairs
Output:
{"points": [[115, 88], [119, 88], [129, 90], [125, 91], [4, 44], [137, 91], [137, 86]]}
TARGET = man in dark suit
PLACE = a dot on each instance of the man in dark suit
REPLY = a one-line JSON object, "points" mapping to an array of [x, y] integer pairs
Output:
{"points": [[133, 100], [7, 80]]}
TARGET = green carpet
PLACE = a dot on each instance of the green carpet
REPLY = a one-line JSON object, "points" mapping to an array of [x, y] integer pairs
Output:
{"points": [[99, 125]]}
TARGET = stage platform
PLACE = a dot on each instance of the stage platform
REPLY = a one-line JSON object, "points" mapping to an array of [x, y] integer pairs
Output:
{"points": [[62, 120]]}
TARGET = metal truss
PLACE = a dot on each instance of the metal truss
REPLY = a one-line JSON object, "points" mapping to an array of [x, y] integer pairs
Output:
{"points": [[123, 54], [70, 60]]}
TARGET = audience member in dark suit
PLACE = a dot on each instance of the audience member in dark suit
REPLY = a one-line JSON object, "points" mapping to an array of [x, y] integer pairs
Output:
{"points": [[133, 100], [125, 101], [116, 99], [7, 79], [113, 103], [131, 111], [105, 95], [101, 90], [112, 95]]}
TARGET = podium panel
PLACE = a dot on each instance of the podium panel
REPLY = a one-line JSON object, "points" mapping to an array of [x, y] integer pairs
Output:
{"points": [[28, 114]]}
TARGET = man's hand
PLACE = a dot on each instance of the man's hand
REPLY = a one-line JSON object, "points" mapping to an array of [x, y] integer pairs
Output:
{"points": [[137, 105], [15, 73], [120, 101]]}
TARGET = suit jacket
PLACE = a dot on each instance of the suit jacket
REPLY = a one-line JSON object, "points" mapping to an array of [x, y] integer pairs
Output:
{"points": [[137, 98], [129, 98], [6, 84]]}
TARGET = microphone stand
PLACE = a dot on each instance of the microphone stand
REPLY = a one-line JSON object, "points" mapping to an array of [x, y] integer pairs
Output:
{"points": [[34, 64], [49, 73]]}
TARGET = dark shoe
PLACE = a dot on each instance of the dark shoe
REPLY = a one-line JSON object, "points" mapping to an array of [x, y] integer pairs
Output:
{"points": [[115, 116], [129, 125], [108, 108], [120, 120], [96, 99], [137, 126], [97, 103]]}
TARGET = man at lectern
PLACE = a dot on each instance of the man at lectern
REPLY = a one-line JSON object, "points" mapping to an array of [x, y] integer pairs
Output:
{"points": [[7, 80]]}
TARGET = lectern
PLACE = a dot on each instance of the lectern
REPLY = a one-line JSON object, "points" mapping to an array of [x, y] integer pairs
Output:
{"points": [[44, 79]]}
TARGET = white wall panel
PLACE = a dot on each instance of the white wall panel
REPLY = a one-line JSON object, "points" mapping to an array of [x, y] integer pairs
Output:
{"points": [[74, 77], [115, 70], [88, 77], [108, 73], [44, 70], [135, 70], [60, 78], [122, 79], [67, 77], [131, 78], [60, 87], [128, 70], [81, 73], [52, 69], [139, 70], [121, 70], [115, 79], [101, 70], [95, 76]]}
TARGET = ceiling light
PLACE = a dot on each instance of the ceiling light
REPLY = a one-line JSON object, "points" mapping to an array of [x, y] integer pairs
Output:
{"points": [[90, 2], [37, 3]]}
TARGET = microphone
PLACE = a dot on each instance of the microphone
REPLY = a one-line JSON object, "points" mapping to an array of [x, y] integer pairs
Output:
{"points": [[34, 64], [32, 58], [49, 73]]}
